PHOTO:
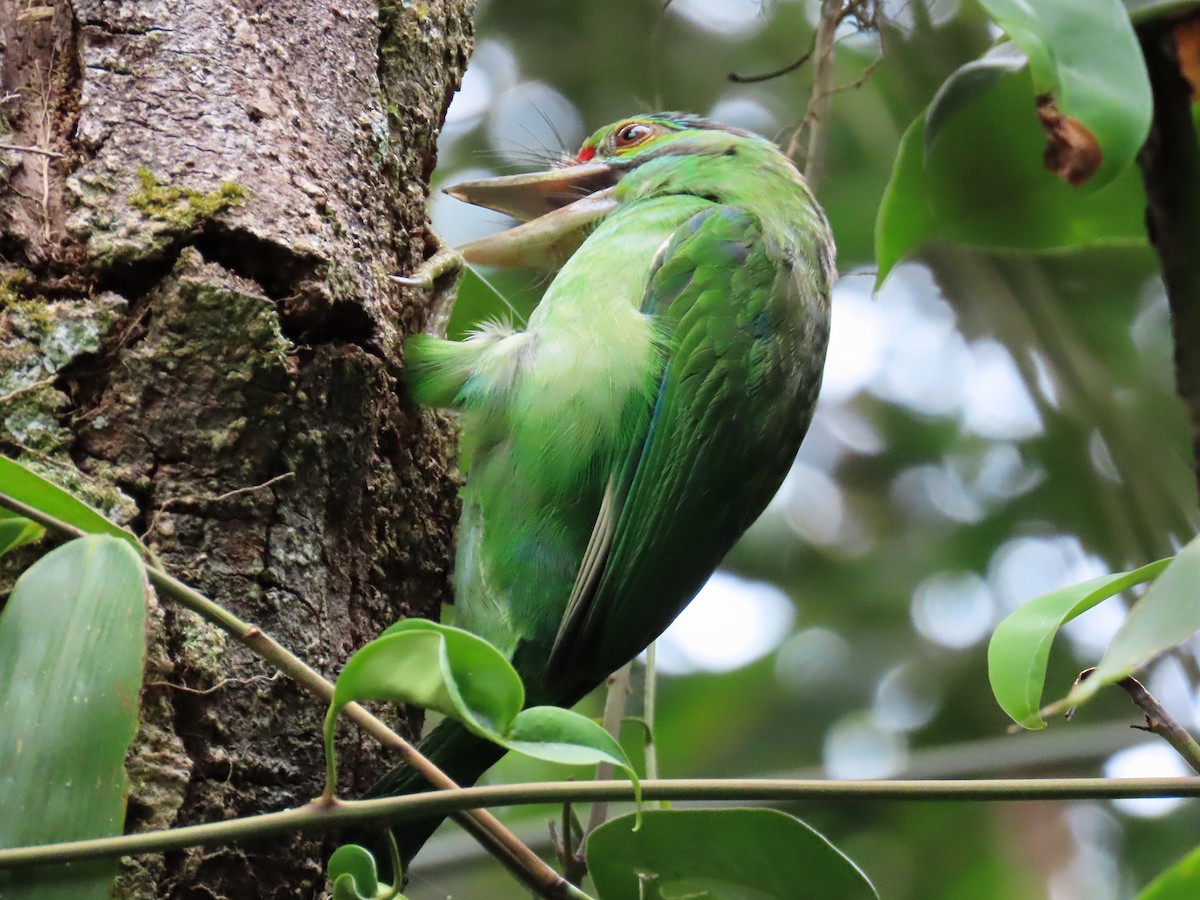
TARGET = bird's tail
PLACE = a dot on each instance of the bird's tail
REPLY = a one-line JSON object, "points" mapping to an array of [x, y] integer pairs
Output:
{"points": [[457, 752]]}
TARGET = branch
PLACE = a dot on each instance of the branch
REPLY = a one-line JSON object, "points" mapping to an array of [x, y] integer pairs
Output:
{"points": [[821, 99], [389, 810], [1160, 722], [517, 857]]}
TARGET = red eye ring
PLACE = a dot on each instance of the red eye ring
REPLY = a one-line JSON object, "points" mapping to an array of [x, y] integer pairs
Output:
{"points": [[633, 133]]}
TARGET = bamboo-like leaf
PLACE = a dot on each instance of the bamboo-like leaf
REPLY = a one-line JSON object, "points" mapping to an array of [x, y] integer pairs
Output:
{"points": [[33, 490], [17, 531], [1166, 615], [72, 644], [1020, 647]]}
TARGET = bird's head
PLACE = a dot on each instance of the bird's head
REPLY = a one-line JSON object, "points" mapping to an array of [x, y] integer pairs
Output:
{"points": [[637, 157]]}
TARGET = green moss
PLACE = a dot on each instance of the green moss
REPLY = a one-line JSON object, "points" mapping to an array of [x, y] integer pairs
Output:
{"points": [[12, 285], [32, 317], [183, 207]]}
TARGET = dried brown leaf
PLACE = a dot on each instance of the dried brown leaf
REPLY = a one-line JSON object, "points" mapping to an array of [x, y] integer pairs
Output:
{"points": [[1071, 149]]}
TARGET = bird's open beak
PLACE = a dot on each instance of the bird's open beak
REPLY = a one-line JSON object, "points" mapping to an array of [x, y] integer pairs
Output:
{"points": [[557, 207]]}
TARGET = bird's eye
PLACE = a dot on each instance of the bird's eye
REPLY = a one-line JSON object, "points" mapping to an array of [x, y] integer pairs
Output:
{"points": [[633, 133]]}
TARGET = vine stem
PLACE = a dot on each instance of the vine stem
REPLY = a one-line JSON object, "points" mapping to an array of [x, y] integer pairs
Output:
{"points": [[530, 869], [323, 816]]}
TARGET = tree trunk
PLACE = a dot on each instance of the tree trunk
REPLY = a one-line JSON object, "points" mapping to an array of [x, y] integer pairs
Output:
{"points": [[200, 202]]}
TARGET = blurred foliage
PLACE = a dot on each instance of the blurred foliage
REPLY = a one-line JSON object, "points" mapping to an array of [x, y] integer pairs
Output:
{"points": [[992, 427]]}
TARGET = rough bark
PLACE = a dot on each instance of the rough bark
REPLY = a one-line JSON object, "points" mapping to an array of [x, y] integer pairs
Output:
{"points": [[197, 334]]}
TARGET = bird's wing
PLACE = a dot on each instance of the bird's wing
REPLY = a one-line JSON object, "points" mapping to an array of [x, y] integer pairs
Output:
{"points": [[734, 400]]}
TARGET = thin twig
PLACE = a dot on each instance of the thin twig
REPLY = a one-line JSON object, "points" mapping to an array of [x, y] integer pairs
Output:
{"points": [[526, 865], [25, 148], [821, 100], [390, 810], [25, 389], [220, 685], [649, 702], [1161, 723], [614, 714], [777, 73]]}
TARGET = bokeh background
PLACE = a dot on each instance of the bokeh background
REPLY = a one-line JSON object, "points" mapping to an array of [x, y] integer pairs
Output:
{"points": [[990, 428]]}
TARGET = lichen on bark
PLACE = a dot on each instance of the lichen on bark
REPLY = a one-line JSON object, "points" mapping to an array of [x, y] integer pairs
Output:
{"points": [[198, 334]]}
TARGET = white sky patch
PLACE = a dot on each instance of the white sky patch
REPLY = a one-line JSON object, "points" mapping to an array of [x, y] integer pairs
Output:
{"points": [[742, 111], [532, 121], [731, 623], [857, 341], [906, 698], [815, 509], [926, 360], [856, 747], [1154, 760], [1026, 567], [731, 18], [954, 609], [811, 658], [995, 403], [457, 222]]}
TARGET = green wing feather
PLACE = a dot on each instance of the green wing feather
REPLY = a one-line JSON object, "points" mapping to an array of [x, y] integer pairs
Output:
{"points": [[745, 331]]}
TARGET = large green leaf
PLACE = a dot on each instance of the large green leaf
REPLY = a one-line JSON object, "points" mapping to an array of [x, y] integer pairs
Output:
{"points": [[1166, 615], [1020, 646], [33, 490], [1180, 882], [1084, 54], [462, 676], [720, 854], [983, 184], [72, 642]]}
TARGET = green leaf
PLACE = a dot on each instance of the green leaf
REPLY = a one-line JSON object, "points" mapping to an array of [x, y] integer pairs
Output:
{"points": [[464, 677], [438, 667], [562, 736], [1166, 615], [72, 644], [33, 490], [1145, 10], [353, 874], [982, 184], [968, 84], [16, 531], [1086, 54], [1020, 647], [720, 854], [1180, 882]]}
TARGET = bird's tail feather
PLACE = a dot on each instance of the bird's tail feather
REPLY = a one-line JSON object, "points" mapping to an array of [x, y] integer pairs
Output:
{"points": [[457, 752]]}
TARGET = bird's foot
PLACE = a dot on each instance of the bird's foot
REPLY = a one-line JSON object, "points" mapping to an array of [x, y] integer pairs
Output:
{"points": [[444, 262]]}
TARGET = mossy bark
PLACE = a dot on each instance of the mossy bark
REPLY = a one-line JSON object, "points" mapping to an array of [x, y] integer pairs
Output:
{"points": [[197, 333]]}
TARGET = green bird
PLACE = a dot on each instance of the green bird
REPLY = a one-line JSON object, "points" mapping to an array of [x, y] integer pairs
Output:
{"points": [[617, 446]]}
